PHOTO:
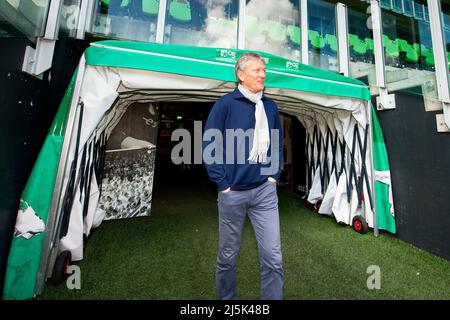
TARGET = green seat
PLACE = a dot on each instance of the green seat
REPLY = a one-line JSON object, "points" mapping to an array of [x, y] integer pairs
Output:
{"points": [[316, 40], [116, 7], [150, 7], [180, 10], [276, 31], [331, 40], [412, 55], [428, 56], [391, 48], [369, 44], [294, 34], [358, 46]]}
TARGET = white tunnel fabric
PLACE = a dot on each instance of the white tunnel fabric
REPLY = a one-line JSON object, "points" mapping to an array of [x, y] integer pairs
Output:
{"points": [[73, 241], [315, 193], [328, 199], [98, 93]]}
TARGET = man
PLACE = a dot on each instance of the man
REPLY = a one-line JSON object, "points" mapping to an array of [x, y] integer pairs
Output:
{"points": [[249, 186]]}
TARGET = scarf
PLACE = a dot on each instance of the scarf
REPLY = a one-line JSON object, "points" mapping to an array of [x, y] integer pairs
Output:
{"points": [[261, 139]]}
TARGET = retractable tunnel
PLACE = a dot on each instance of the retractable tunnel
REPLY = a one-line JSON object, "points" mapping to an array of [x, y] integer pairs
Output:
{"points": [[348, 173]]}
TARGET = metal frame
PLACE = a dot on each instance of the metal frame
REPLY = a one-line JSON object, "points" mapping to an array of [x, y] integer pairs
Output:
{"points": [[49, 248], [89, 15], [304, 31], [83, 18], [342, 35], [38, 60], [385, 101], [161, 21], [372, 173], [241, 25], [440, 57]]}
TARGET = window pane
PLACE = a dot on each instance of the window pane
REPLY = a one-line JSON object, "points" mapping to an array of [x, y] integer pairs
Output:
{"points": [[273, 27], [408, 7], [361, 46], [23, 17], [322, 35], [69, 18], [397, 6], [126, 19], [408, 52], [387, 4], [202, 23]]}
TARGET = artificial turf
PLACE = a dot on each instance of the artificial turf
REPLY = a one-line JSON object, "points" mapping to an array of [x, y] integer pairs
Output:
{"points": [[172, 253]]}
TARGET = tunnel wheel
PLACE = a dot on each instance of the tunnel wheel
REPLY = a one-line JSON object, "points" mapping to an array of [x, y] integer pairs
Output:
{"points": [[317, 205], [309, 205], [60, 268], [360, 225]]}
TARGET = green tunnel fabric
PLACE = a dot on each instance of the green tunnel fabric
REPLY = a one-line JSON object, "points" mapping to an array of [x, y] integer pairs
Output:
{"points": [[24, 256]]}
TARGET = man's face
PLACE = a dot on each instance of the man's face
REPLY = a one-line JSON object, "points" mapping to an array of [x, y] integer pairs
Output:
{"points": [[253, 75]]}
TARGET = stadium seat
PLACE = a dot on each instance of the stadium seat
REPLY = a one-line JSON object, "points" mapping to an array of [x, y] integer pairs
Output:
{"points": [[358, 46], [412, 55], [180, 10], [316, 40], [331, 40], [294, 34]]}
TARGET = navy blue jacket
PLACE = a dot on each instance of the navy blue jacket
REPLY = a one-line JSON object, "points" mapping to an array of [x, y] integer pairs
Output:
{"points": [[234, 111]]}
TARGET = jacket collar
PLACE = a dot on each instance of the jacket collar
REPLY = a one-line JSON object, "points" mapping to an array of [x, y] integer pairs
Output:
{"points": [[236, 94]]}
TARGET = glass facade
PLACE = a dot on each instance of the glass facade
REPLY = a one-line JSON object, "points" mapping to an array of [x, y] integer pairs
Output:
{"points": [[69, 18], [210, 23], [270, 26], [273, 27], [361, 45], [126, 19], [23, 17], [322, 41], [408, 51]]}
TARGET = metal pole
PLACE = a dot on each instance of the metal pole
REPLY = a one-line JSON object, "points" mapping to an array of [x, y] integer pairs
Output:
{"points": [[304, 30], [342, 35], [241, 25], [161, 21], [372, 169]]}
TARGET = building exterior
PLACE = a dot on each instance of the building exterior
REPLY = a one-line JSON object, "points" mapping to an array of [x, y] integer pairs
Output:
{"points": [[399, 48]]}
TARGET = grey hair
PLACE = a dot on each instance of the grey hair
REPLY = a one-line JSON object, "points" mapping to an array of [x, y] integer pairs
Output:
{"points": [[242, 61]]}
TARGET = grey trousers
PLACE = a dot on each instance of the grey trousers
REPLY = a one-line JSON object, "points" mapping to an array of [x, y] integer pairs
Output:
{"points": [[261, 205]]}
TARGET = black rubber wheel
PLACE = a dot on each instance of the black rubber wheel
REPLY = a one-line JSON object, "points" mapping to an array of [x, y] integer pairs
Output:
{"points": [[309, 205], [317, 205], [60, 268], [360, 225]]}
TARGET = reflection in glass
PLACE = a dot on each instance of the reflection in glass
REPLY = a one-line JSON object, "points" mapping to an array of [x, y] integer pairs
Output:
{"points": [[273, 27], [23, 17], [408, 52], [69, 18], [322, 39], [210, 23], [361, 46], [126, 19]]}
